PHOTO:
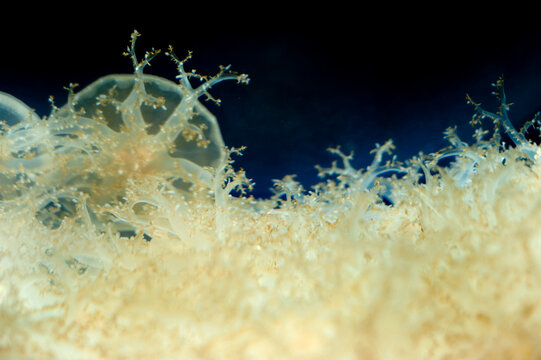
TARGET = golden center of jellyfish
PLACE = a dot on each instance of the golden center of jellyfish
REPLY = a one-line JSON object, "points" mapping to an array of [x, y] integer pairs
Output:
{"points": [[133, 160]]}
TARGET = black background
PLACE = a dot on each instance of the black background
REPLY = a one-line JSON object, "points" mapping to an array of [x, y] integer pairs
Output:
{"points": [[320, 76]]}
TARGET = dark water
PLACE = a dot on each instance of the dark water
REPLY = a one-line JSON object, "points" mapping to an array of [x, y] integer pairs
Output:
{"points": [[314, 84]]}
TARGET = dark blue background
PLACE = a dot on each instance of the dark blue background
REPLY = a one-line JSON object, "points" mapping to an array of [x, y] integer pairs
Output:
{"points": [[331, 77]]}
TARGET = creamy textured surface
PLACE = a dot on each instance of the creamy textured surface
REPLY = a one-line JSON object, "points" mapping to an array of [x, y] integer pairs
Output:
{"points": [[450, 271]]}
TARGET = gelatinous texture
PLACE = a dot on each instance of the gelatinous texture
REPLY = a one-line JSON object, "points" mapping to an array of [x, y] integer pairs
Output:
{"points": [[13, 111], [435, 262], [118, 111], [120, 129]]}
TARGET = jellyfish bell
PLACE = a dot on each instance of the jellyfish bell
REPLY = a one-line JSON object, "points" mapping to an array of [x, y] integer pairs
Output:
{"points": [[125, 110], [119, 129], [13, 110]]}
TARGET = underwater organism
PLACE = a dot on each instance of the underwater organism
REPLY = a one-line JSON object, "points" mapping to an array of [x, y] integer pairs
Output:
{"points": [[501, 120], [119, 130], [448, 268]]}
